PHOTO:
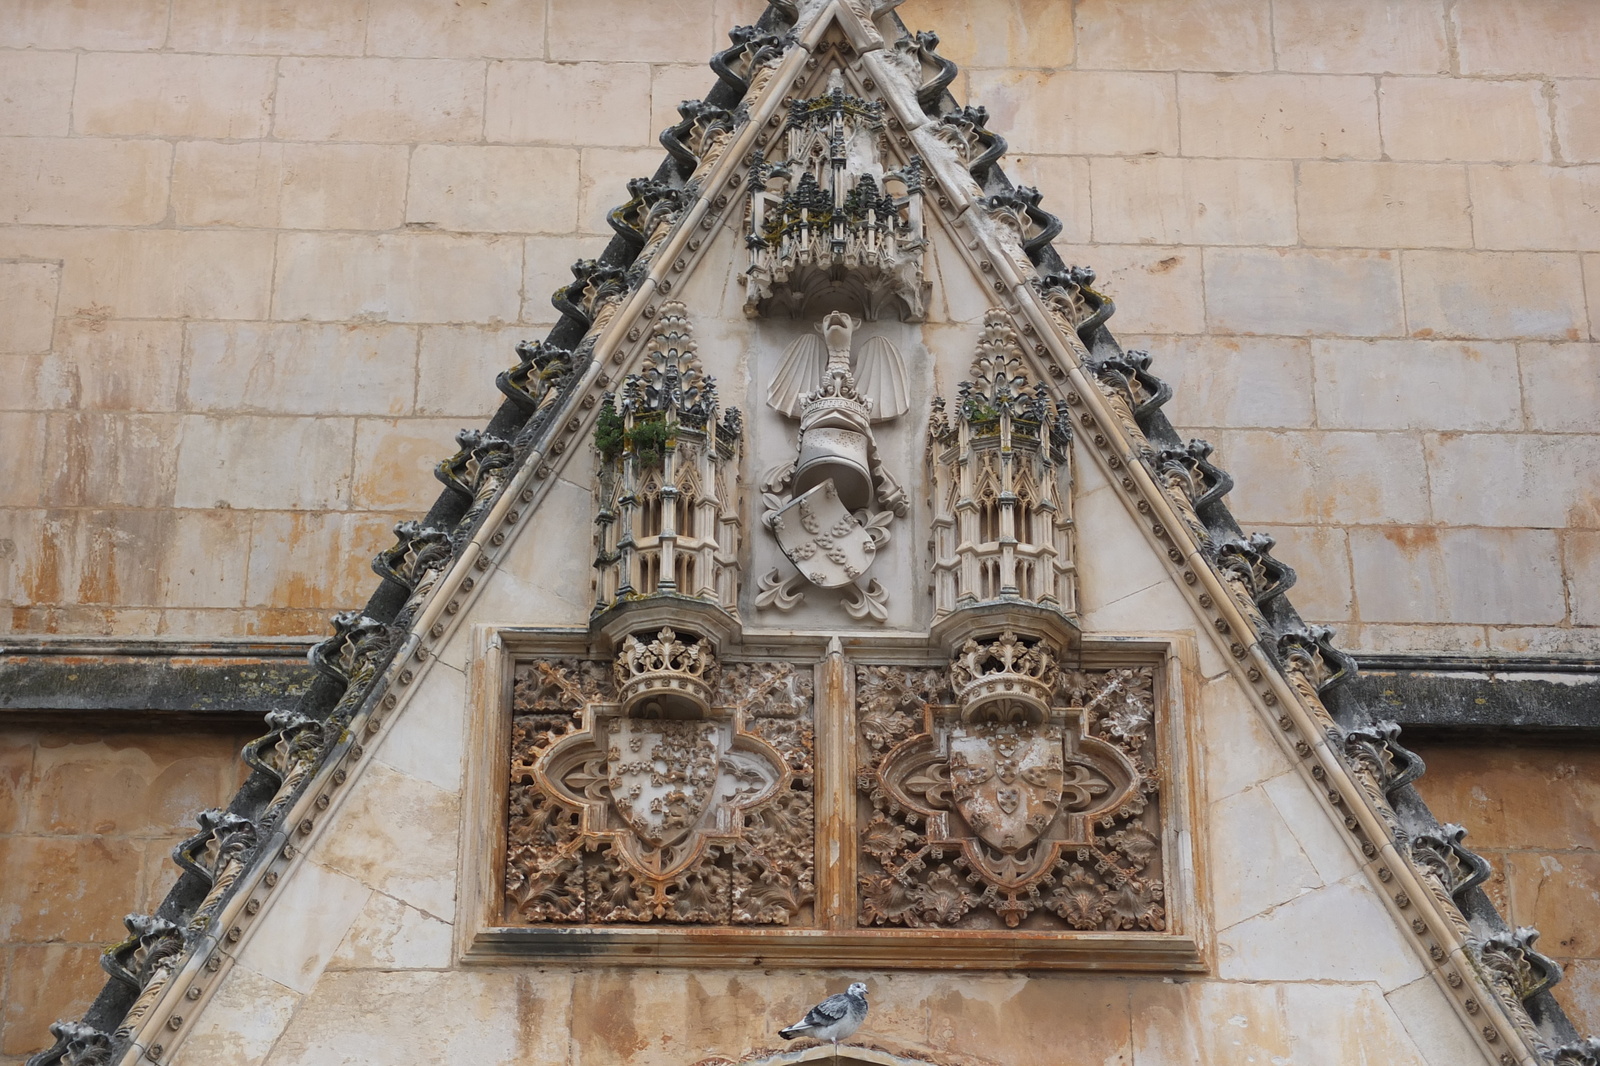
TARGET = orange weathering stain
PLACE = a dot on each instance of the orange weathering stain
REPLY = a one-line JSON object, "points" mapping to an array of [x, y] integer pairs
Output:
{"points": [[1412, 539]]}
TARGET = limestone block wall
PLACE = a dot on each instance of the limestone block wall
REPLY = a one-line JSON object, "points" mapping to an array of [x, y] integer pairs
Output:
{"points": [[1533, 810], [260, 260], [88, 821]]}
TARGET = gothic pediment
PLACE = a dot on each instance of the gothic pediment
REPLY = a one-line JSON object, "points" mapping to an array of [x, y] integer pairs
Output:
{"points": [[831, 591]]}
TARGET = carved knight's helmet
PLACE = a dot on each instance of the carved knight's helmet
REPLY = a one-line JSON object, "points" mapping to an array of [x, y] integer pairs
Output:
{"points": [[838, 398]]}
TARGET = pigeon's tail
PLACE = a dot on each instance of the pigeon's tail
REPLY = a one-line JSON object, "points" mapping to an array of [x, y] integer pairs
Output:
{"points": [[794, 1030]]}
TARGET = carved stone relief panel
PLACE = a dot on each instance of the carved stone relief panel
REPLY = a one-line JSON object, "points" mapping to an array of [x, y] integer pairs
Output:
{"points": [[1008, 792], [660, 788]]}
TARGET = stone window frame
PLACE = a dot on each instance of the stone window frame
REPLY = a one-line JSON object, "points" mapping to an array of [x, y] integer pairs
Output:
{"points": [[483, 938]]}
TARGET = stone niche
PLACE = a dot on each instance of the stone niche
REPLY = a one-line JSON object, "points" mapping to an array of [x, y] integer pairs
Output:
{"points": [[678, 798]]}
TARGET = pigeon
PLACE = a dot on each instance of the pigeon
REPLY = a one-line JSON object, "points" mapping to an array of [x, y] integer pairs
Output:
{"points": [[834, 1018]]}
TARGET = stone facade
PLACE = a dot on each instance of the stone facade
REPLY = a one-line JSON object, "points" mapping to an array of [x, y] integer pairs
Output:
{"points": [[1362, 244], [88, 821], [1177, 801]]}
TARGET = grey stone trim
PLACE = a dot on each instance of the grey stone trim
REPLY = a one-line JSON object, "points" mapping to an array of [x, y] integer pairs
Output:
{"points": [[185, 684], [1441, 695]]}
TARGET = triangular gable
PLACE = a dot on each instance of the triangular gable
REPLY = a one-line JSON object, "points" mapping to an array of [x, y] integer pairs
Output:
{"points": [[330, 898]]}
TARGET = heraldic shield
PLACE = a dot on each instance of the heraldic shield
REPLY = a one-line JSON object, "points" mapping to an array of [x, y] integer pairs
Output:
{"points": [[1006, 781], [822, 539], [662, 775]]}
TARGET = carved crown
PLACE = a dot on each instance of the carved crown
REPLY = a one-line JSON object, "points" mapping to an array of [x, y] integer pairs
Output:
{"points": [[668, 677], [1004, 677]]}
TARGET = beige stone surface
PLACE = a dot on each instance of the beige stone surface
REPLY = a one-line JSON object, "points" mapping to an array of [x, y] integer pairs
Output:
{"points": [[1557, 37], [153, 273], [36, 93], [303, 926], [173, 94], [1382, 205], [1259, 865], [496, 189], [1149, 35], [395, 814], [1301, 292], [1403, 384], [1541, 481], [486, 28], [296, 186], [1560, 389], [1157, 289], [659, 33], [1193, 201], [300, 368], [428, 739], [1291, 943], [1535, 207], [1577, 124], [603, 184], [1064, 180], [1320, 556], [114, 25], [1233, 381], [397, 278], [1424, 574], [104, 364], [75, 857], [1453, 119], [457, 366], [395, 460], [1279, 116], [481, 1017], [1468, 294], [1239, 751], [1581, 558], [1591, 283], [600, 103], [1293, 477], [1058, 112], [1209, 1022], [248, 451], [1021, 33], [253, 27], [28, 304], [1361, 37], [302, 559], [379, 100], [388, 935], [205, 559], [138, 472], [46, 981]]}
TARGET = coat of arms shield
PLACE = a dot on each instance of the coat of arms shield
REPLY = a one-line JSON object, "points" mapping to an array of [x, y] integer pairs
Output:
{"points": [[824, 541], [1006, 781], [662, 774]]}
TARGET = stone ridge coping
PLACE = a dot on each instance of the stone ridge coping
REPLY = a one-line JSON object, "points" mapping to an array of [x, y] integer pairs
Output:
{"points": [[142, 680]]}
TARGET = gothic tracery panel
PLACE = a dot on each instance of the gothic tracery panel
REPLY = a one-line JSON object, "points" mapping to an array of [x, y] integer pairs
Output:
{"points": [[1035, 807], [648, 812]]}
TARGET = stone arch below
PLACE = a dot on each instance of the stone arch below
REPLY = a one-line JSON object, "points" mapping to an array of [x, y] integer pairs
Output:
{"points": [[843, 1056]]}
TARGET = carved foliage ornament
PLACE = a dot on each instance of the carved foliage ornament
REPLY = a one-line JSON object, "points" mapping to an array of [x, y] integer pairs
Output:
{"points": [[1009, 792], [660, 788]]}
